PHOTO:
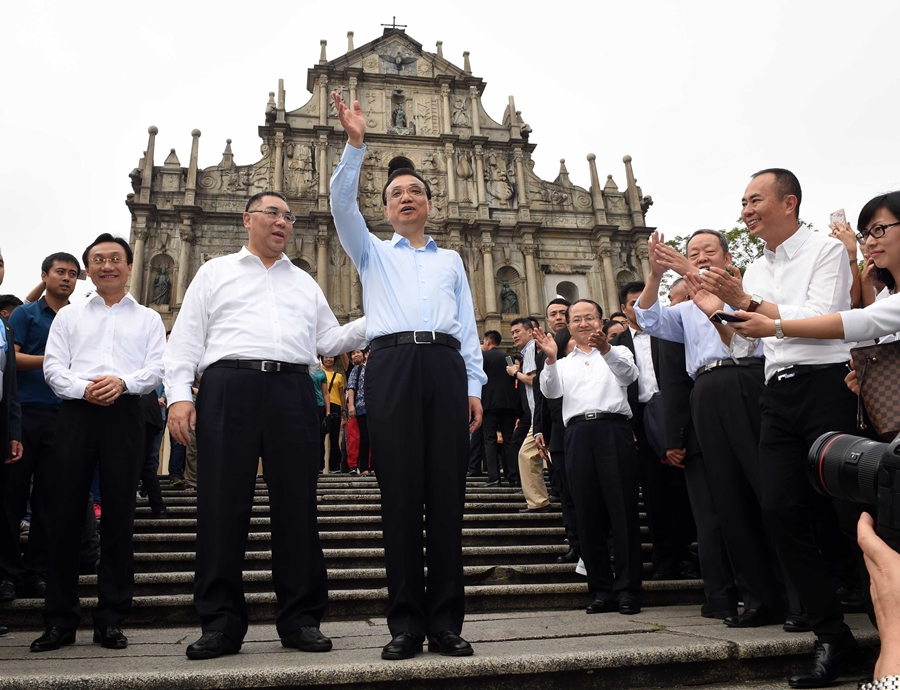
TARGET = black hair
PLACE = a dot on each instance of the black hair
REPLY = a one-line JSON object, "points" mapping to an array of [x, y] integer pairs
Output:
{"points": [[562, 339], [402, 166], [559, 300], [106, 237], [627, 289], [618, 313], [9, 301], [259, 195], [889, 202], [590, 301], [786, 183], [723, 241], [609, 324], [62, 257], [494, 337], [522, 321]]}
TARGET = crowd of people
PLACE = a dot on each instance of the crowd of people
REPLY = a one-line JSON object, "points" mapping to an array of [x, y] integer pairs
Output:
{"points": [[703, 408]]}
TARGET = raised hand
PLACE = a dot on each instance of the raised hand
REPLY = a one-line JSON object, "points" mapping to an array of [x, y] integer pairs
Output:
{"points": [[352, 121], [656, 268], [671, 258], [728, 288], [546, 344], [708, 303], [844, 233], [599, 340]]}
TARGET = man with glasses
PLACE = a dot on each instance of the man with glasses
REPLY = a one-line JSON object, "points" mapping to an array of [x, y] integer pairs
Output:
{"points": [[592, 382], [801, 274], [423, 386], [101, 356], [251, 323]]}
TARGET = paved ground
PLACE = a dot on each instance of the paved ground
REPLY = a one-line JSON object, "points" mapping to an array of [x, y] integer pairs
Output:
{"points": [[513, 649]]}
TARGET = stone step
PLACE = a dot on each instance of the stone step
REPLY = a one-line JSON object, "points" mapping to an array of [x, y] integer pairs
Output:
{"points": [[530, 650], [357, 603]]}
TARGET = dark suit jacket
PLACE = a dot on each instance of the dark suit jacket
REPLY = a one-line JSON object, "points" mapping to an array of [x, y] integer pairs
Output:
{"points": [[151, 411], [548, 418], [10, 412], [500, 390], [676, 386], [626, 340]]}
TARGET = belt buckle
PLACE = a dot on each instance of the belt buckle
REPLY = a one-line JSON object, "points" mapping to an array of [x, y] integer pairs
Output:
{"points": [[416, 340], [268, 365], [786, 373], [590, 415]]}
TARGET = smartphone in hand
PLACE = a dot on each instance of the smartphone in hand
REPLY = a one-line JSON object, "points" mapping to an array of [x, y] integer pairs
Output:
{"points": [[509, 361], [725, 317], [838, 217]]}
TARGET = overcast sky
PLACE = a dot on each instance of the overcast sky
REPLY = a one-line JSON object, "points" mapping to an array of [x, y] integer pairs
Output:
{"points": [[701, 94]]}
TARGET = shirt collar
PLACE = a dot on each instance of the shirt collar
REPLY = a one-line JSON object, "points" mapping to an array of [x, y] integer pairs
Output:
{"points": [[244, 253], [128, 297], [529, 344], [400, 239], [636, 333], [791, 245]]}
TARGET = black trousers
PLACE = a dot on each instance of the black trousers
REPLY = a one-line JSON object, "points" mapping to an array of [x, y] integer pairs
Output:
{"points": [[417, 403], [603, 473], [476, 453], [31, 476], [715, 565], [570, 513], [242, 416], [321, 417], [795, 412], [87, 436], [504, 421], [333, 437], [362, 461], [150, 468], [725, 407]]}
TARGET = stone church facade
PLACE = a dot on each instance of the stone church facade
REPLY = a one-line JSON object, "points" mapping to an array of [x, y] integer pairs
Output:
{"points": [[523, 240]]}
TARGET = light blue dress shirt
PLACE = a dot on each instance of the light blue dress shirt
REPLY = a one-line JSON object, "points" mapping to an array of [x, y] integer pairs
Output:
{"points": [[405, 288], [686, 323]]}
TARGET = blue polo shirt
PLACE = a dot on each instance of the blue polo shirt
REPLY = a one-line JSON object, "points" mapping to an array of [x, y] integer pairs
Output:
{"points": [[31, 323]]}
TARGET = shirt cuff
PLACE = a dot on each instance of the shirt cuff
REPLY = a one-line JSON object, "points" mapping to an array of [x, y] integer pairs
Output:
{"points": [[78, 388], [179, 394], [351, 153], [474, 388]]}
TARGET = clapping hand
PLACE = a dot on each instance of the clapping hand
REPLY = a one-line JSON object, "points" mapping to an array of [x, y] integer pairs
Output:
{"points": [[599, 340], [668, 258], [728, 288], [546, 344], [352, 121], [708, 303]]}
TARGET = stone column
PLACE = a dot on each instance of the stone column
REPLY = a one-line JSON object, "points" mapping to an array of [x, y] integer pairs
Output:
{"points": [[323, 99], [531, 278], [279, 160], [187, 236], [147, 172], [322, 260], [190, 188], [490, 283], [476, 121], [479, 174], [322, 155], [524, 212], [355, 294], [631, 194], [596, 192], [451, 172], [445, 99], [353, 80], [612, 294], [643, 252], [137, 274]]}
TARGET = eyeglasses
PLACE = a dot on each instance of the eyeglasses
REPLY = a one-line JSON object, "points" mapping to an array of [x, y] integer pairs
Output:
{"points": [[274, 214], [876, 231], [98, 261], [415, 190], [587, 319]]}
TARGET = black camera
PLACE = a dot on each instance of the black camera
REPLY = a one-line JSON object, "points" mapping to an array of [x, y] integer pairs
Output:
{"points": [[861, 470]]}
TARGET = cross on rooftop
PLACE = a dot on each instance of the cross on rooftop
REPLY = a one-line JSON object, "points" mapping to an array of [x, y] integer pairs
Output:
{"points": [[394, 24]]}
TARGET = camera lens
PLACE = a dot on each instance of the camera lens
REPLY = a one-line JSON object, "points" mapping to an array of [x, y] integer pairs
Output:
{"points": [[844, 466]]}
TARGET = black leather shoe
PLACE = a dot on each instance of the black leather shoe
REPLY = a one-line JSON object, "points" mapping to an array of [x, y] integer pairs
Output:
{"points": [[449, 644], [307, 639], [7, 590], [554, 498], [629, 607], [35, 590], [708, 611], [211, 645], [851, 600], [487, 485], [797, 622], [3, 630], [514, 482], [54, 638], [753, 618], [602, 606], [110, 637], [160, 515], [544, 509], [571, 556], [829, 661], [669, 571], [403, 646]]}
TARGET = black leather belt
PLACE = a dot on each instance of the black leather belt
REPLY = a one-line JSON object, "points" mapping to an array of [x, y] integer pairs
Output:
{"points": [[741, 362], [415, 338], [260, 365], [794, 370], [590, 416]]}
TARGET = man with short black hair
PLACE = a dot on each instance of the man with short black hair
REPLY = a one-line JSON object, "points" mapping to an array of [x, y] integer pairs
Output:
{"points": [[100, 356], [8, 304], [498, 398], [531, 464]]}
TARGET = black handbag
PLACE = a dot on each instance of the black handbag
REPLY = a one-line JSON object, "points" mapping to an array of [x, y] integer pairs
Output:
{"points": [[326, 423]]}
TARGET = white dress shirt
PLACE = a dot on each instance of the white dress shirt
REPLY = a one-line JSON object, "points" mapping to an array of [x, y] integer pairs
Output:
{"points": [[881, 320], [236, 308], [807, 275], [91, 339], [529, 366], [591, 382], [686, 323], [643, 355]]}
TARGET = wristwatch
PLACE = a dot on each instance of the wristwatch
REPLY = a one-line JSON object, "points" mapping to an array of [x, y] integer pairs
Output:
{"points": [[778, 332], [755, 301], [124, 386]]}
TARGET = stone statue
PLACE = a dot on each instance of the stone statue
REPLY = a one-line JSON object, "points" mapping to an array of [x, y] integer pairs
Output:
{"points": [[459, 117], [398, 117], [509, 299], [162, 288]]}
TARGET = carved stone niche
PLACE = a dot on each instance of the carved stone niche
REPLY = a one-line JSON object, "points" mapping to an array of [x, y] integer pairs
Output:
{"points": [[304, 264], [510, 276], [159, 289]]}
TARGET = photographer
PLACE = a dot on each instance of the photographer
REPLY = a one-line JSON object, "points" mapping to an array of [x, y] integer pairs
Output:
{"points": [[883, 564]]}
